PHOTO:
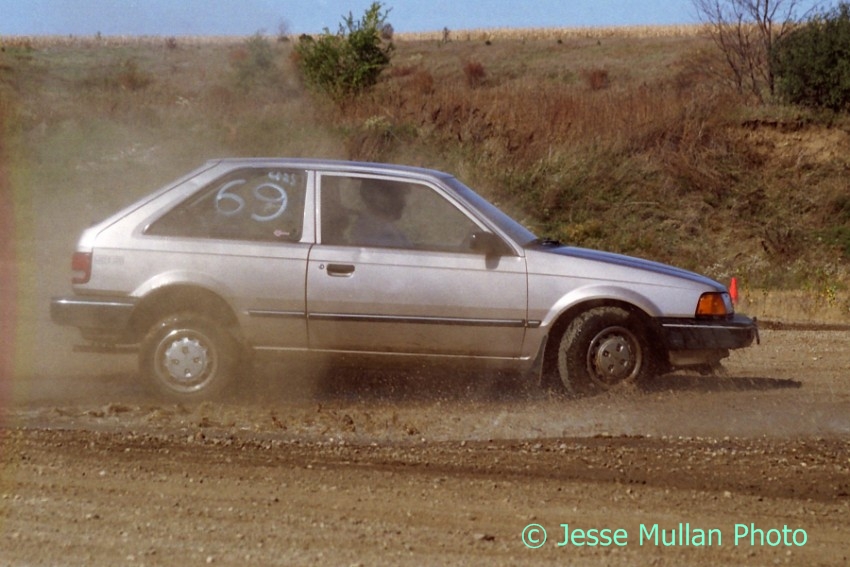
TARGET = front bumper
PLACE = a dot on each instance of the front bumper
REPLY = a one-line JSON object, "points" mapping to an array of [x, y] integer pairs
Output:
{"points": [[99, 319], [695, 334]]}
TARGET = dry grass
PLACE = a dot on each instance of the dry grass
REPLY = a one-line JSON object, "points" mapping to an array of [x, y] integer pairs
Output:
{"points": [[796, 306], [113, 41], [617, 139]]}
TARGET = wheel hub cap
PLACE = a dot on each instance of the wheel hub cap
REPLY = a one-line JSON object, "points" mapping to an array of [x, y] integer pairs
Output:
{"points": [[186, 360], [613, 359]]}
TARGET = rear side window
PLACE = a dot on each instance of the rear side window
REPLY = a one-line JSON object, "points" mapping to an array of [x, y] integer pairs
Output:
{"points": [[265, 204]]}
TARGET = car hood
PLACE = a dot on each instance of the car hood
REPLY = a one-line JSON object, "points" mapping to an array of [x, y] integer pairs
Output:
{"points": [[594, 263]]}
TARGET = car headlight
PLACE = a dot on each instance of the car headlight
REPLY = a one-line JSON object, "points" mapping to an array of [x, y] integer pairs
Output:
{"points": [[715, 304]]}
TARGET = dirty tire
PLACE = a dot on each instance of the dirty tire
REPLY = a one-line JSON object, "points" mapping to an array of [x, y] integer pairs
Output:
{"points": [[188, 357], [604, 348]]}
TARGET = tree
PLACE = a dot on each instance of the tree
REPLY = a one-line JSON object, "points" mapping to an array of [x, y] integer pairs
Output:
{"points": [[350, 61], [746, 31], [812, 63]]}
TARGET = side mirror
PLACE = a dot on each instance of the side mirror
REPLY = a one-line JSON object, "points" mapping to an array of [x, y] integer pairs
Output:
{"points": [[488, 244]]}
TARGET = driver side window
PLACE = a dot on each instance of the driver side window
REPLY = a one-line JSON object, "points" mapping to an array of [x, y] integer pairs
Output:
{"points": [[386, 213]]}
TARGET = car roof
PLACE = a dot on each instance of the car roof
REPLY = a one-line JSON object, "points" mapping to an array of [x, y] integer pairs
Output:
{"points": [[335, 165]]}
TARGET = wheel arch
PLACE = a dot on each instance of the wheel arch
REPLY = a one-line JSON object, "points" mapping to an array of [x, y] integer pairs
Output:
{"points": [[178, 298], [563, 319]]}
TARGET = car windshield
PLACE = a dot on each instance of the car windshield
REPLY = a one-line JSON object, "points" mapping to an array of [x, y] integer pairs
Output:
{"points": [[492, 213]]}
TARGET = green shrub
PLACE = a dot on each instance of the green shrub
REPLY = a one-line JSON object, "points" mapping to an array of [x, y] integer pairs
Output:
{"points": [[344, 64], [812, 63]]}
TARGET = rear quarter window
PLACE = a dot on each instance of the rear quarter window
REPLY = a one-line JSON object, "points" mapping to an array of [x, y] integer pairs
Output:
{"points": [[258, 204]]}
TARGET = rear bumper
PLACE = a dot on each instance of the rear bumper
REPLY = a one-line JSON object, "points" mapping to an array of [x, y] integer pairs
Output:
{"points": [[99, 319], [692, 334]]}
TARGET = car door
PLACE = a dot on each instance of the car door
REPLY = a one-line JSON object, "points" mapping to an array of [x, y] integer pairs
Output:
{"points": [[393, 271]]}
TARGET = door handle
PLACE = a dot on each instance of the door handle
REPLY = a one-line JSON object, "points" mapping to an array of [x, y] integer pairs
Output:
{"points": [[340, 270]]}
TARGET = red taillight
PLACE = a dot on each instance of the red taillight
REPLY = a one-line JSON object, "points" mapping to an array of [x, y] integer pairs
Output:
{"points": [[80, 267]]}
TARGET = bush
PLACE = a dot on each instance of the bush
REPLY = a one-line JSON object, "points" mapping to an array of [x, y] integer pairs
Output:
{"points": [[344, 64], [119, 75], [254, 61], [596, 79], [812, 64], [475, 73]]}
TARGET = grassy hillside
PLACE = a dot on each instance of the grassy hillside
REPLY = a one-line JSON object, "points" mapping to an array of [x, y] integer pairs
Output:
{"points": [[621, 141]]}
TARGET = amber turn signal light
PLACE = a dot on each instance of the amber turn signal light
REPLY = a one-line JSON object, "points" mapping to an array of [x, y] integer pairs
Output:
{"points": [[714, 305]]}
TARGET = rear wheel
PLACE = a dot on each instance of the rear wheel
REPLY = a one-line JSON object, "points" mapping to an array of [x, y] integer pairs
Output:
{"points": [[603, 348], [188, 357]]}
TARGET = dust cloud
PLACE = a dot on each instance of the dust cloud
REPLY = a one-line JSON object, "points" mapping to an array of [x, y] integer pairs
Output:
{"points": [[766, 393]]}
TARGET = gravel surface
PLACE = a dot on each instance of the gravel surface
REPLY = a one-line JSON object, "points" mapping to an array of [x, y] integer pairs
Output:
{"points": [[435, 468]]}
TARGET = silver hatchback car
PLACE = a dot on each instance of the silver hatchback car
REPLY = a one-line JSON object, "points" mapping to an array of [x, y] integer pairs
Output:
{"points": [[249, 256]]}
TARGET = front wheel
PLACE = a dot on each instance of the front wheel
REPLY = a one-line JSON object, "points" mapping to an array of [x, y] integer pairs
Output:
{"points": [[188, 357], [603, 348]]}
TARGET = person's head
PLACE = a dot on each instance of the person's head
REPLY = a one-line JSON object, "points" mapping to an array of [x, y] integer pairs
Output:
{"points": [[386, 199]]}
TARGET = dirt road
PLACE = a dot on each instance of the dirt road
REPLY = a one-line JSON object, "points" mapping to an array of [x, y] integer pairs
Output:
{"points": [[436, 469]]}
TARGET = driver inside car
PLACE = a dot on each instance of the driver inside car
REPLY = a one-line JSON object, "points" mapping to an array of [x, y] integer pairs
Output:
{"points": [[377, 223]]}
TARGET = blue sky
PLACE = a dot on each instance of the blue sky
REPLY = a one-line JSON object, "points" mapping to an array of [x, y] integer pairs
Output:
{"points": [[245, 17]]}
